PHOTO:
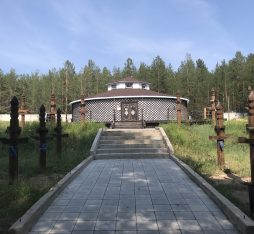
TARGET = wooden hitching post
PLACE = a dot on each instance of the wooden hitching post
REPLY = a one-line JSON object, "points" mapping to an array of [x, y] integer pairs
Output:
{"points": [[204, 112], [250, 141], [22, 109], [90, 115], [42, 131], [58, 133], [220, 136], [249, 91], [82, 108], [178, 109], [142, 118], [247, 102], [212, 108], [14, 131], [52, 112], [114, 118]]}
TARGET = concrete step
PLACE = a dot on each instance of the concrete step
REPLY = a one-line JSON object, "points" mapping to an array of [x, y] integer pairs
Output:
{"points": [[133, 155], [131, 150], [131, 130], [131, 133], [129, 137], [130, 141], [124, 146], [129, 124], [128, 127]]}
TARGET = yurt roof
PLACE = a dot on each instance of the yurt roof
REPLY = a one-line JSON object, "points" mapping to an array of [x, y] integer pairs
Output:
{"points": [[129, 93]]}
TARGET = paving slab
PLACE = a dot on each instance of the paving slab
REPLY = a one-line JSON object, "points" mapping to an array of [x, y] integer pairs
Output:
{"points": [[133, 196]]}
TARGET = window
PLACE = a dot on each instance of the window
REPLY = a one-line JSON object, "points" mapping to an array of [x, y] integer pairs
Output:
{"points": [[143, 86], [113, 86], [129, 85]]}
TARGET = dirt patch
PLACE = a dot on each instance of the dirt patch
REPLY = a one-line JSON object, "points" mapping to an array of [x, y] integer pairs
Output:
{"points": [[230, 178], [240, 190], [221, 179]]}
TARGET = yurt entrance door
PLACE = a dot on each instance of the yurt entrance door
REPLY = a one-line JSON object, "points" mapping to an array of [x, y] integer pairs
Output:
{"points": [[129, 111]]}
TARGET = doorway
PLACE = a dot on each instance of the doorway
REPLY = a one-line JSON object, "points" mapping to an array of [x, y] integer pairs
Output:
{"points": [[129, 111]]}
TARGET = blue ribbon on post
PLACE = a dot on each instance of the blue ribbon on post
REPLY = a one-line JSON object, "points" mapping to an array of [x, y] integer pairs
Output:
{"points": [[43, 147], [13, 151], [221, 144]]}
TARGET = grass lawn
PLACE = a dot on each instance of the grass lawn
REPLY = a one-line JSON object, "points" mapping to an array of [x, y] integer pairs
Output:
{"points": [[33, 183], [192, 145]]}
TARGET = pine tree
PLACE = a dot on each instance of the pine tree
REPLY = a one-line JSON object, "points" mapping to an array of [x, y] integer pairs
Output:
{"points": [[159, 75], [129, 68], [202, 88], [236, 75], [186, 83], [144, 72]]}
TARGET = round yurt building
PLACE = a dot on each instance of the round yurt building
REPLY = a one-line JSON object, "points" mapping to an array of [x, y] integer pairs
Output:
{"points": [[130, 100]]}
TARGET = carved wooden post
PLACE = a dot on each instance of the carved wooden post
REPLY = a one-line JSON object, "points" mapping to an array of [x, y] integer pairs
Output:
{"points": [[58, 133], [205, 113], [42, 131], [22, 109], [250, 141], [82, 108], [142, 118], [178, 109], [52, 112], [247, 103], [14, 131], [212, 108], [249, 91], [114, 118], [90, 115], [220, 131]]}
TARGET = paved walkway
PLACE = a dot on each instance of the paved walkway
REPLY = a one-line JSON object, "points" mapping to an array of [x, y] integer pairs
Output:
{"points": [[133, 196]]}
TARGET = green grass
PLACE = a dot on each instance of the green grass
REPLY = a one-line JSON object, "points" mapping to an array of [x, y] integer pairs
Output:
{"points": [[237, 155], [192, 145], [33, 182]]}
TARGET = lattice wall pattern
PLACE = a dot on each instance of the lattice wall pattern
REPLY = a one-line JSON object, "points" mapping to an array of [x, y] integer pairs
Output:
{"points": [[154, 109]]}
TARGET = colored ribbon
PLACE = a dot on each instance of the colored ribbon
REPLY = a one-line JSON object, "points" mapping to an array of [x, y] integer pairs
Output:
{"points": [[13, 151], [43, 147]]}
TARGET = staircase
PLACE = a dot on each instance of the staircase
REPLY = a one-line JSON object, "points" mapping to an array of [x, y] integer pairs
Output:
{"points": [[131, 143]]}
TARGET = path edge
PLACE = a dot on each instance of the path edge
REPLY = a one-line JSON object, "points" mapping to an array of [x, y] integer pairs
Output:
{"points": [[166, 141], [26, 222], [242, 222], [96, 142]]}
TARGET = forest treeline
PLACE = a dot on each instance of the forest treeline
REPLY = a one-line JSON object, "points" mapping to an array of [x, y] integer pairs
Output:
{"points": [[193, 79]]}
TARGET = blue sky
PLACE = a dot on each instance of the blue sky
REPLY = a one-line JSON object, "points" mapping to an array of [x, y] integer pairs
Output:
{"points": [[38, 35]]}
